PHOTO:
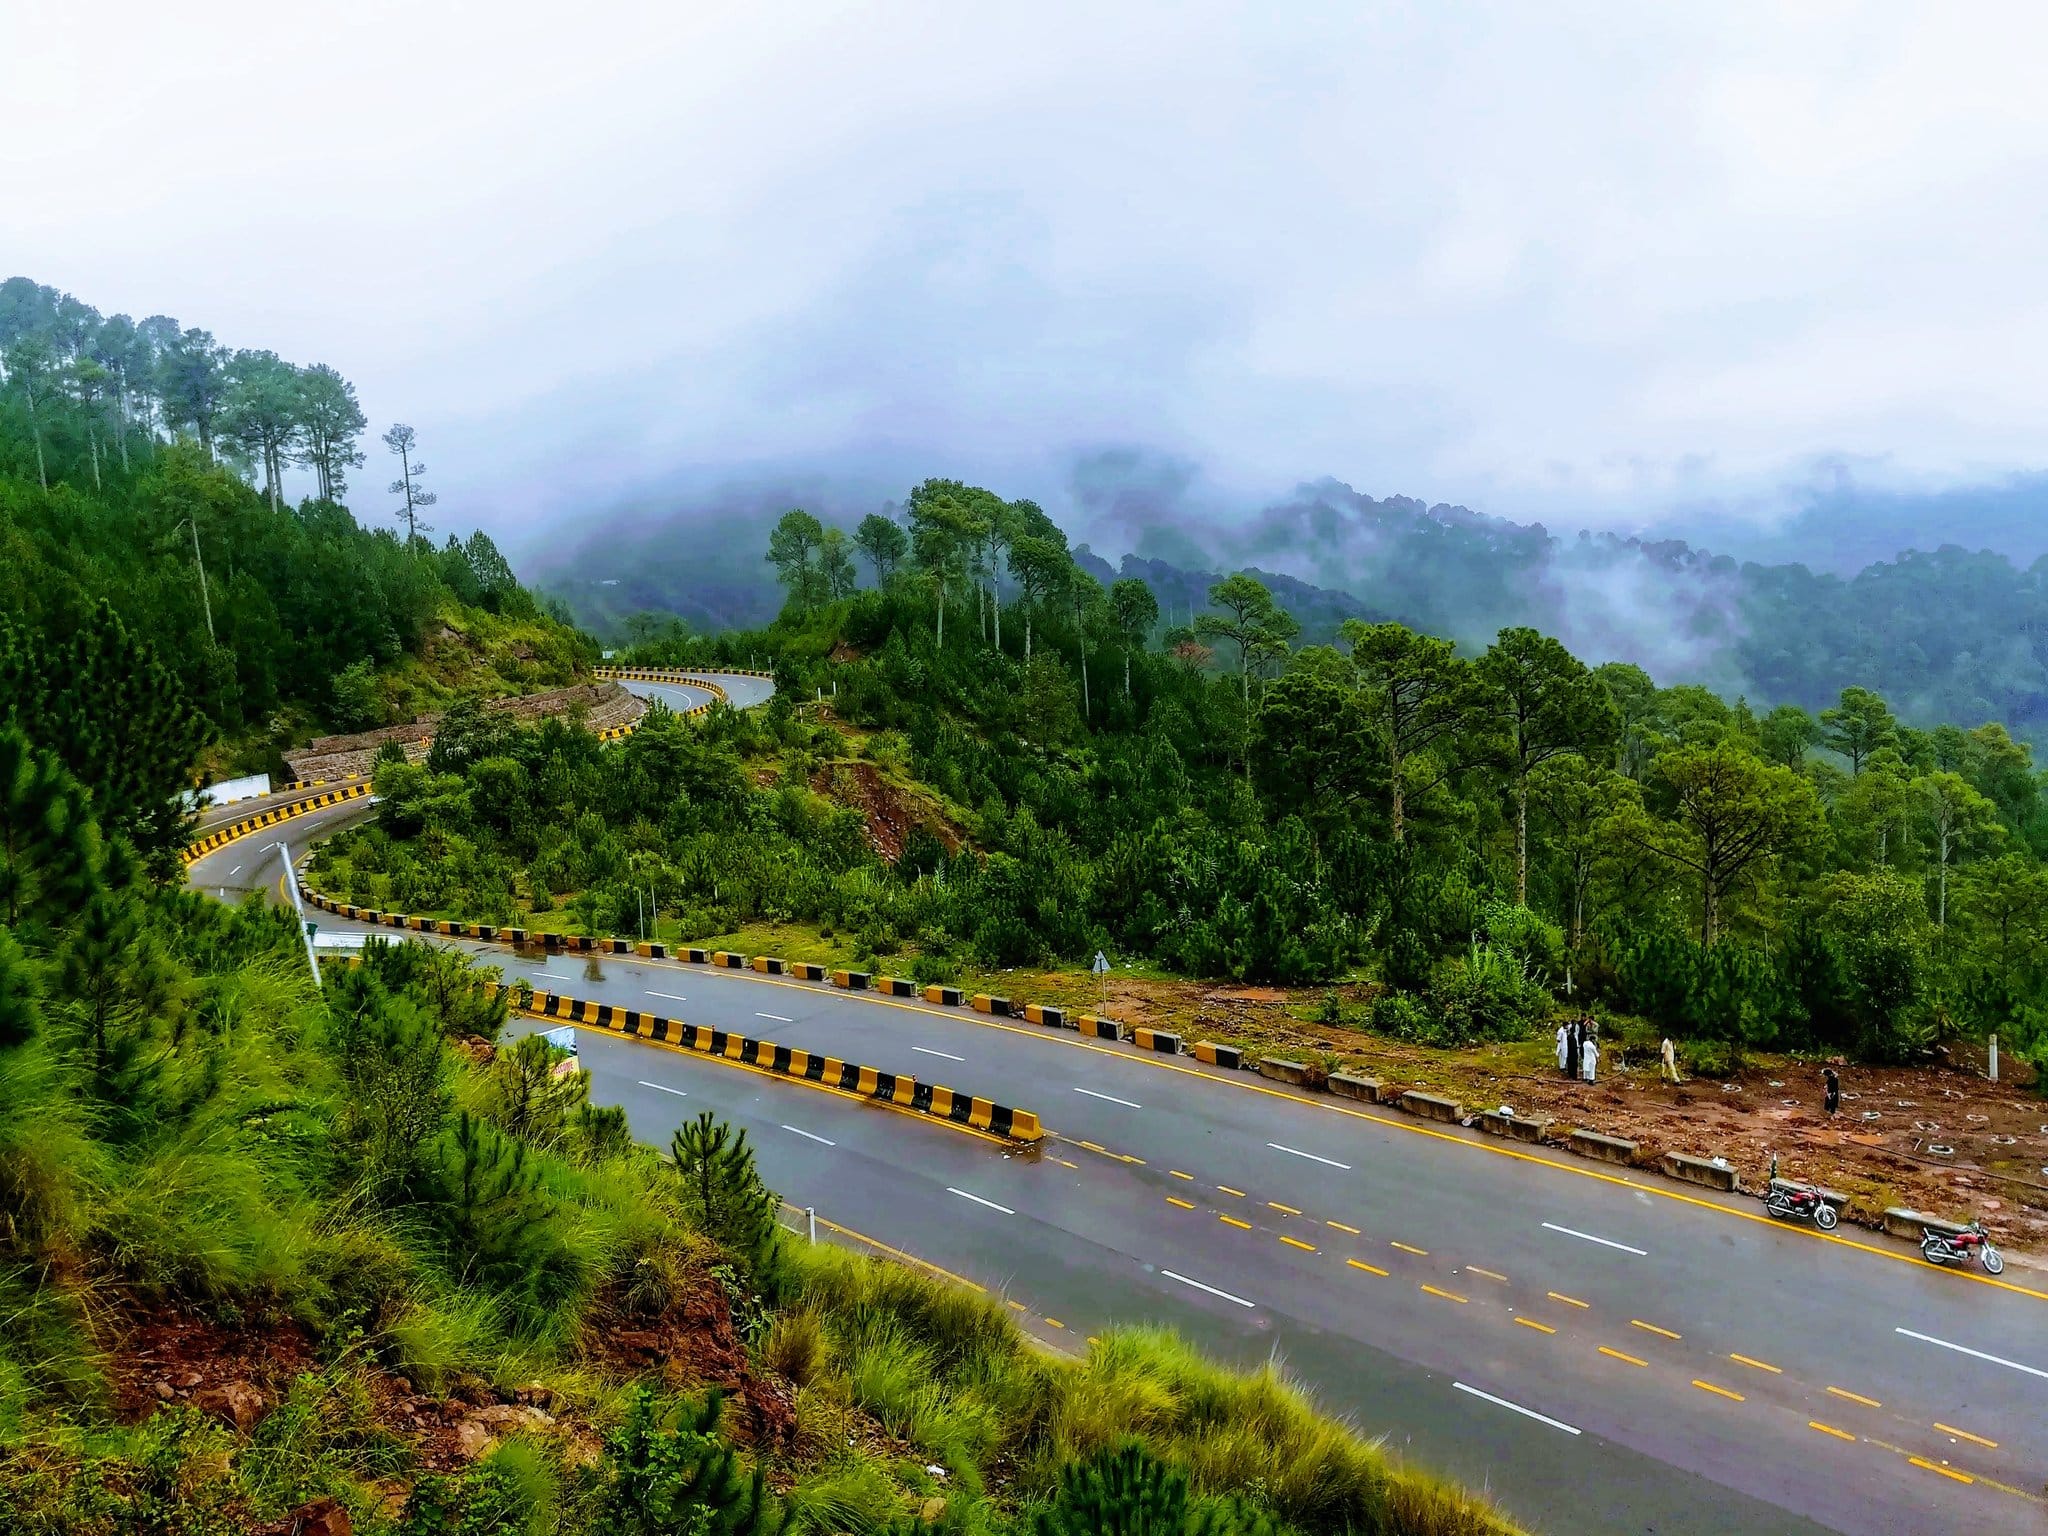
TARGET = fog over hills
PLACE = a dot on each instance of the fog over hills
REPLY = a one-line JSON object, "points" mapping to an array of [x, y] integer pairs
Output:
{"points": [[1949, 632]]}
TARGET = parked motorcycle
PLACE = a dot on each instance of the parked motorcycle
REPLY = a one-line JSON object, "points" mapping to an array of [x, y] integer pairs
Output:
{"points": [[1799, 1202], [1970, 1243]]}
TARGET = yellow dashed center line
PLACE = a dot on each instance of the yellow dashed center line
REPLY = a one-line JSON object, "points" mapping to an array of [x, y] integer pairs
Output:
{"points": [[1570, 1301], [1368, 1268], [1420, 1253], [1179, 1175], [1342, 1228], [1295, 1242], [1708, 1386], [1065, 1164], [1277, 1206], [1855, 1397], [1053, 1322], [1447, 1295], [1229, 1191], [1615, 1354], [1186, 1205], [1092, 1147], [1662, 1333], [1015, 1306], [1530, 1322], [1964, 1434], [1233, 1221], [1756, 1365], [1829, 1429], [1474, 1269], [1949, 1472]]}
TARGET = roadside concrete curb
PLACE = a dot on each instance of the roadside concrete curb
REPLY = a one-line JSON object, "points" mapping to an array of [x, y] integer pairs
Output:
{"points": [[899, 1090]]}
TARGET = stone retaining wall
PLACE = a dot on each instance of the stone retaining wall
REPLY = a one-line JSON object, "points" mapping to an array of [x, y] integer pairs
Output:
{"points": [[604, 706]]}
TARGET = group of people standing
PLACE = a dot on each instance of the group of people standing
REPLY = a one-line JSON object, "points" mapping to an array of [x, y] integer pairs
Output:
{"points": [[1578, 1048]]}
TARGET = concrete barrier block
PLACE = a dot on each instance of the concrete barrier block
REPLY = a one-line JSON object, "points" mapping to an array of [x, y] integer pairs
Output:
{"points": [[853, 981], [1915, 1225], [804, 970], [1432, 1106], [1215, 1055], [1346, 1086], [768, 965], [1700, 1170], [728, 959], [1099, 1028], [1608, 1149], [1041, 1013], [949, 996], [1156, 1040], [1517, 1127], [1833, 1197], [997, 1006], [895, 986], [697, 956], [1282, 1070]]}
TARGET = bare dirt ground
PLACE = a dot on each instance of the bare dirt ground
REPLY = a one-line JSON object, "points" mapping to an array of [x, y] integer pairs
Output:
{"points": [[1939, 1138]]}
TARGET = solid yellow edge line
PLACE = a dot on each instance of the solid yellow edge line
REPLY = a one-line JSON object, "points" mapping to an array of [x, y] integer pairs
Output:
{"points": [[898, 1253], [1047, 1037], [1061, 1040]]}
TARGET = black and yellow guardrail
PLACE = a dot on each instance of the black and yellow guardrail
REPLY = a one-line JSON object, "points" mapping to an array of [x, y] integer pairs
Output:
{"points": [[1093, 1026], [894, 1089], [220, 837]]}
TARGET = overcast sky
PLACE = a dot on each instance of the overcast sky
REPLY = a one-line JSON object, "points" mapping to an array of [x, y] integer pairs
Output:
{"points": [[1594, 263]]}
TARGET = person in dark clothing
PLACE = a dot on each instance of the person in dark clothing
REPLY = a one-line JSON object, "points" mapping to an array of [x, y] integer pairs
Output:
{"points": [[1576, 1054], [1833, 1099]]}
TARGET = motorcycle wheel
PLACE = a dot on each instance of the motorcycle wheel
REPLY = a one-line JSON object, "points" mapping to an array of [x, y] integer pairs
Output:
{"points": [[1994, 1261], [1824, 1217], [1932, 1255]]}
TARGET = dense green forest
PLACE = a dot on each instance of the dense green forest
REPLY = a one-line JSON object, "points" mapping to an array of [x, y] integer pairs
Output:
{"points": [[1944, 634], [1486, 835], [351, 1196], [147, 554]]}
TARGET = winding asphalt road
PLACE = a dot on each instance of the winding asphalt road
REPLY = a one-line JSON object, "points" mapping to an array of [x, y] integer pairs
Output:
{"points": [[1603, 1352]]}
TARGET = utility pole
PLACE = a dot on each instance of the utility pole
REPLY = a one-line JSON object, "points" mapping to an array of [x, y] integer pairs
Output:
{"points": [[204, 599]]}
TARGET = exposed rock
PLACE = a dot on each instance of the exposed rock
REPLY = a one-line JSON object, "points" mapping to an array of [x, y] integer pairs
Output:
{"points": [[238, 1403], [472, 1440], [322, 1517], [934, 1510]]}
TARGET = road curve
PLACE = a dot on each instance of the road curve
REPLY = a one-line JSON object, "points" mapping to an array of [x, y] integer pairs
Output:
{"points": [[1601, 1353]]}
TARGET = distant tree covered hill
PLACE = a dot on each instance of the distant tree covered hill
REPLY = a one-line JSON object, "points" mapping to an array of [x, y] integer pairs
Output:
{"points": [[147, 555], [1947, 634]]}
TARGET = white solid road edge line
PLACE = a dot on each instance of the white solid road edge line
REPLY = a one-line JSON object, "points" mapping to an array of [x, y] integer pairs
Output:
{"points": [[663, 1088], [1292, 1152], [1964, 1349], [797, 1131], [1527, 1413], [1225, 1295], [979, 1201], [1127, 1104], [1604, 1242]]}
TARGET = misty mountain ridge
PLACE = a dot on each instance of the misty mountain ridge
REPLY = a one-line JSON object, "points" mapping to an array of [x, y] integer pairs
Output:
{"points": [[1948, 634]]}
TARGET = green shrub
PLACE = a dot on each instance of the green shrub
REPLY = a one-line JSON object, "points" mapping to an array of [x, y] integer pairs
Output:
{"points": [[1486, 994]]}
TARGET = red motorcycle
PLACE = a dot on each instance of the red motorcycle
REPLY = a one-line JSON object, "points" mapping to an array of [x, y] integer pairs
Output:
{"points": [[1970, 1243], [1797, 1202]]}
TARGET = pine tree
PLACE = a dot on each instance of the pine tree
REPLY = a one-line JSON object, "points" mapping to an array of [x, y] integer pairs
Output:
{"points": [[51, 859], [1124, 1490], [682, 1479], [723, 1196]]}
